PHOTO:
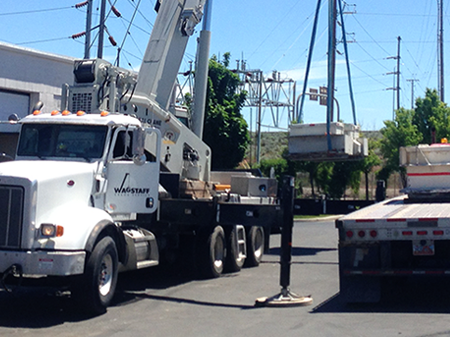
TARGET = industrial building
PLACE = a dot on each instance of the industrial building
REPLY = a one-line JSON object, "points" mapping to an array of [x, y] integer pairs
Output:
{"points": [[28, 76]]}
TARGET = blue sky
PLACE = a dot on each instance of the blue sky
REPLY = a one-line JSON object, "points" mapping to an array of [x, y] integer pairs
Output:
{"points": [[268, 35]]}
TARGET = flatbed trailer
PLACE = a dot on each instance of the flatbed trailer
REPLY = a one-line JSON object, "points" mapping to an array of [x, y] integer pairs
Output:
{"points": [[407, 236]]}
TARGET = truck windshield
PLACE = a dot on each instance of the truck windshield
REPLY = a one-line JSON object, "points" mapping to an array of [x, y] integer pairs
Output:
{"points": [[62, 140]]}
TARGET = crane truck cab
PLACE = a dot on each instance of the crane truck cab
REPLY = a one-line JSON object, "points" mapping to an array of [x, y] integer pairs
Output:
{"points": [[75, 180]]}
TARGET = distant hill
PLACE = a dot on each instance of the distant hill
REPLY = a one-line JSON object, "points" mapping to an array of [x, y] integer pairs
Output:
{"points": [[272, 145]]}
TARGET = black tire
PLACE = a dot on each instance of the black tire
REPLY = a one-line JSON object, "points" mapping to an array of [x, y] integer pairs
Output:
{"points": [[98, 283], [212, 253], [255, 246], [234, 262]]}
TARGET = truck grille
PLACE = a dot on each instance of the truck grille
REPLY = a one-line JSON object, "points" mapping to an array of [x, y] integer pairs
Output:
{"points": [[11, 210]]}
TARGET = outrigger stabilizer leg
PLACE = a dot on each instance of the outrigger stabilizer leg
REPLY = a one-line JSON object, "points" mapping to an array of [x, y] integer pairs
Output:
{"points": [[285, 297]]}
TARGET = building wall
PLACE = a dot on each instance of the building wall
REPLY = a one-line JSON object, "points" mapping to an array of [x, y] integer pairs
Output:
{"points": [[28, 76]]}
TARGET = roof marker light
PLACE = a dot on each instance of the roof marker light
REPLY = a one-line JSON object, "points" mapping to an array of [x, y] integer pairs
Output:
{"points": [[81, 113], [65, 113], [55, 112], [36, 112], [104, 113]]}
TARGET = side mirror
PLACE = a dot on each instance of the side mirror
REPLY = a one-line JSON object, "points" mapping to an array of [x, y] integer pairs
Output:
{"points": [[138, 146], [13, 118]]}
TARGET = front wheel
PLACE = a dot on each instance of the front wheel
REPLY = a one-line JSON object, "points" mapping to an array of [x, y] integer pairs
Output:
{"points": [[97, 285]]}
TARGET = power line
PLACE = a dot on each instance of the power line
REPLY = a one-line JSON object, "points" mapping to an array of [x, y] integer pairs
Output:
{"points": [[273, 29], [36, 11], [370, 76], [365, 30], [290, 47], [128, 33], [374, 59], [141, 14], [42, 41], [396, 14], [136, 26]]}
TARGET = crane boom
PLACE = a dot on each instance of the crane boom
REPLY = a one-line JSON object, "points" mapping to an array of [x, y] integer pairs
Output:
{"points": [[174, 24], [101, 86]]}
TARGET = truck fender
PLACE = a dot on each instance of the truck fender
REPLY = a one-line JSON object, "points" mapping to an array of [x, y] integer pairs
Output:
{"points": [[107, 228]]}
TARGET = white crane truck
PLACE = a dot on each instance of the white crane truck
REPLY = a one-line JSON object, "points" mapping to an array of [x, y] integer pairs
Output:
{"points": [[407, 236], [114, 181]]}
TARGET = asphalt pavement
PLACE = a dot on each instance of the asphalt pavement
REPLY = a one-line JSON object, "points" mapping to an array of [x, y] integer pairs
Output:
{"points": [[155, 303]]}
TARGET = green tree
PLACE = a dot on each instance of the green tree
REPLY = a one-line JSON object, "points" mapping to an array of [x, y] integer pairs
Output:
{"points": [[345, 174], [311, 168], [324, 176], [280, 166], [225, 129], [429, 122], [431, 117], [400, 132], [368, 163]]}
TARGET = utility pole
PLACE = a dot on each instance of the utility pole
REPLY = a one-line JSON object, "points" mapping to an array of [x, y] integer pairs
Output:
{"points": [[396, 72], [258, 125], [412, 90], [440, 53], [101, 31], [393, 88], [87, 41], [332, 11]]}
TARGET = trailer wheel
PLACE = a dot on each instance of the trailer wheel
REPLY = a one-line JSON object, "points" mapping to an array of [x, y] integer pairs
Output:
{"points": [[255, 246], [97, 285], [214, 253], [235, 261]]}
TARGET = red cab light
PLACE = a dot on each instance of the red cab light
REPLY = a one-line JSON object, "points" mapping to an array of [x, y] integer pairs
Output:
{"points": [[361, 234], [349, 234], [373, 233]]}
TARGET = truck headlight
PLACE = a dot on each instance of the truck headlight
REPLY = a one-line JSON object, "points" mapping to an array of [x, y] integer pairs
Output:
{"points": [[51, 230]]}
